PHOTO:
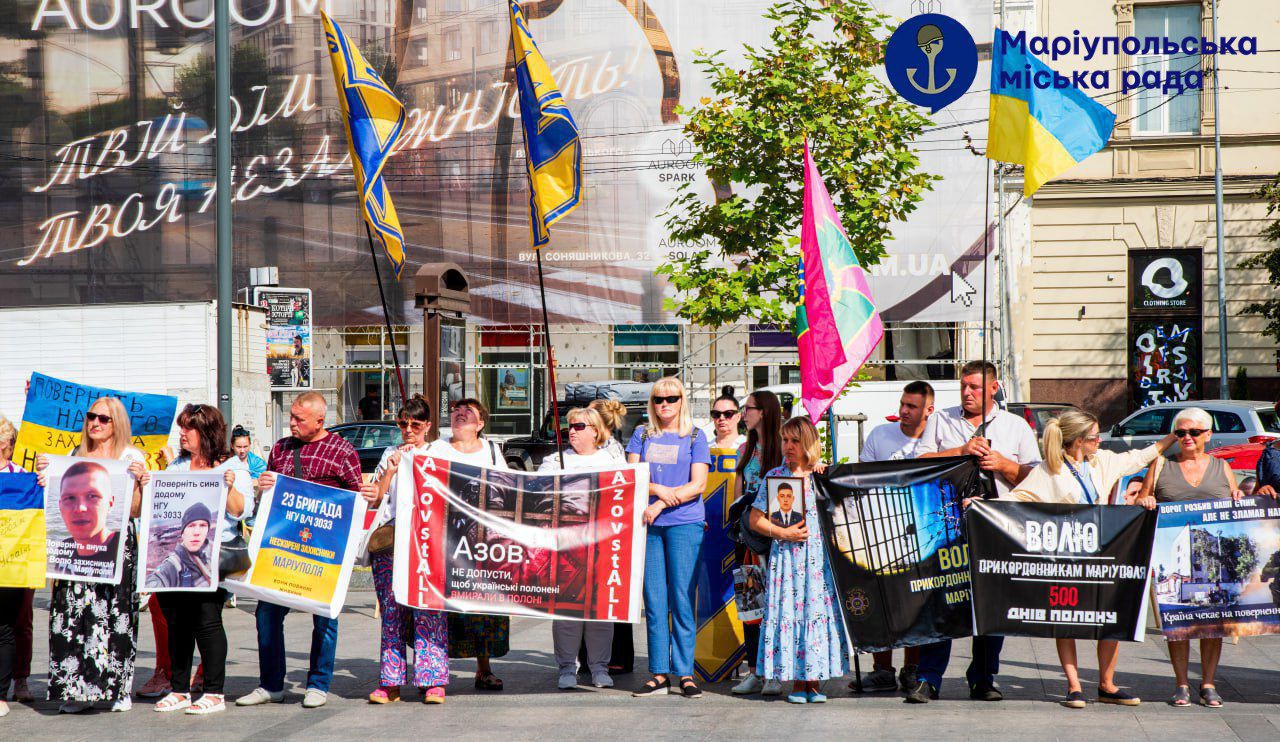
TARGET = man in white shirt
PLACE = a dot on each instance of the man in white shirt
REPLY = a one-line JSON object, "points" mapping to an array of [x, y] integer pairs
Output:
{"points": [[1005, 446], [895, 442]]}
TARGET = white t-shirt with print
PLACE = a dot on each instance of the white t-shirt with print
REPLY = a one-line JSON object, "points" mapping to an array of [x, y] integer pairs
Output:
{"points": [[888, 443]]}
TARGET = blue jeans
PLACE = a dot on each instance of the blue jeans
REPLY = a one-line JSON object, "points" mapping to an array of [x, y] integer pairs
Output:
{"points": [[324, 643], [982, 668], [671, 558]]}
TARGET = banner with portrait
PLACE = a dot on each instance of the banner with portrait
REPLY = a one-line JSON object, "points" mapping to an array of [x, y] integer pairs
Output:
{"points": [[54, 416], [1060, 571], [22, 535], [896, 542], [566, 545], [1216, 565], [181, 532], [719, 644], [303, 547], [86, 514]]}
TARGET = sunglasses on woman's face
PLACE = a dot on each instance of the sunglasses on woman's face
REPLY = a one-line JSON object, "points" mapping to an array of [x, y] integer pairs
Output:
{"points": [[717, 414], [1193, 432], [750, 408], [412, 425], [104, 419], [579, 427], [667, 400]]}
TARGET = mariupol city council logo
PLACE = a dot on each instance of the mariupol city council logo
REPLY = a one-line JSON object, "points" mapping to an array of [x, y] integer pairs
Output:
{"points": [[931, 60]]}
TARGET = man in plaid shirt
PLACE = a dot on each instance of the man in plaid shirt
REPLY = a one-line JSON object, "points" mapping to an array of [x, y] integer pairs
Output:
{"points": [[329, 460]]}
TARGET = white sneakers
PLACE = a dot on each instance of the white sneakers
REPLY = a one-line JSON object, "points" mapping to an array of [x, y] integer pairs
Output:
{"points": [[315, 698], [751, 683], [772, 688], [260, 696], [124, 704]]}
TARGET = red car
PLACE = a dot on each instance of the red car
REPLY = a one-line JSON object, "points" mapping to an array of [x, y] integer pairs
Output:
{"points": [[1242, 457]]}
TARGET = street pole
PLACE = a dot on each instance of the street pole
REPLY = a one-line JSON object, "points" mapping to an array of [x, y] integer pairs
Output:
{"points": [[222, 134], [1217, 200]]}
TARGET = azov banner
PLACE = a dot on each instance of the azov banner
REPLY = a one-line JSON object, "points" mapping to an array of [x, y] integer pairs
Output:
{"points": [[478, 540], [895, 537], [1060, 571]]}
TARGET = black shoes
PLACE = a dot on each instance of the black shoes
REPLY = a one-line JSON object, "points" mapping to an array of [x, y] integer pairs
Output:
{"points": [[985, 693], [923, 692]]}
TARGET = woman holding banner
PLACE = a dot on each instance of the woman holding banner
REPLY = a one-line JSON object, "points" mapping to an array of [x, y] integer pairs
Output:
{"points": [[1076, 472], [21, 667], [479, 636], [93, 626], [195, 618], [762, 414], [1192, 474], [587, 437], [679, 460], [429, 629], [802, 639]]}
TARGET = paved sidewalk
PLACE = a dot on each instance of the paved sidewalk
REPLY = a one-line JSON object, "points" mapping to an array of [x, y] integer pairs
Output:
{"points": [[532, 708]]}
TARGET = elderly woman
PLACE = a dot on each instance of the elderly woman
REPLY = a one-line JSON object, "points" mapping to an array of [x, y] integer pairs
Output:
{"points": [[1191, 475], [474, 635], [1076, 472]]}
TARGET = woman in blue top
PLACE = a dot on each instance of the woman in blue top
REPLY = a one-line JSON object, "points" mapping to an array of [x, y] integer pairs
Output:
{"points": [[801, 638], [679, 458]]}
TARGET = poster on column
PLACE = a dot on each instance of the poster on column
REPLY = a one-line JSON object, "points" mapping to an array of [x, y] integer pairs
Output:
{"points": [[1216, 568], [566, 545], [181, 532], [22, 547], [719, 645], [86, 512], [1060, 571], [897, 548], [303, 547], [53, 417]]}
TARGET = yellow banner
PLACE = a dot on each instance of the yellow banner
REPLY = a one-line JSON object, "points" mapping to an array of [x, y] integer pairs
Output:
{"points": [[289, 573], [719, 646]]}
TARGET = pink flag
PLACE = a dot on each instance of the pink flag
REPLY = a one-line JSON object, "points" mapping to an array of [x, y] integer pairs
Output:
{"points": [[837, 326]]}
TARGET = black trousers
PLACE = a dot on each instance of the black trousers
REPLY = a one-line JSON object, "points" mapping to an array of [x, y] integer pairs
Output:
{"points": [[195, 620], [624, 653], [11, 599], [751, 636]]}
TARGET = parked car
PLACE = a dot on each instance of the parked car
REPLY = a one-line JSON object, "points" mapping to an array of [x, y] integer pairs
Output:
{"points": [[1038, 414], [1234, 422], [370, 438], [526, 452], [1242, 457]]}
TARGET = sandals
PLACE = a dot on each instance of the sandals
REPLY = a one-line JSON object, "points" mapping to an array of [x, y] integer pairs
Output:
{"points": [[1181, 696], [488, 681], [173, 702], [1209, 697], [385, 694], [688, 688], [653, 687], [209, 703]]}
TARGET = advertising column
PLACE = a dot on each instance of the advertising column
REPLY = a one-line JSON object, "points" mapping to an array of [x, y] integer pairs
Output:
{"points": [[1165, 325]]}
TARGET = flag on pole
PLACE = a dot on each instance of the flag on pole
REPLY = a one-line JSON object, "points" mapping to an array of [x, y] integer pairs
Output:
{"points": [[837, 326], [374, 118], [552, 148], [1046, 131]]}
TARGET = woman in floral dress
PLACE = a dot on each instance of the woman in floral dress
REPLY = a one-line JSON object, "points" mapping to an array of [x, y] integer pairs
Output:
{"points": [[801, 637], [93, 627]]}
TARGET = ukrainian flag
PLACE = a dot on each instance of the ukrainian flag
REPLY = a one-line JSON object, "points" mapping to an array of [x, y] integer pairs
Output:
{"points": [[375, 118], [554, 152], [22, 534], [1046, 131]]}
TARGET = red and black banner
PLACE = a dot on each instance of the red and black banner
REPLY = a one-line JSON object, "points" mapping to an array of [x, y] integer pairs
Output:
{"points": [[1060, 571], [479, 540]]}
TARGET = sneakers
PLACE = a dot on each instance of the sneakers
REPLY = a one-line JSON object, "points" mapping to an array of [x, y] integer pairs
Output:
{"points": [[124, 704], [209, 703], [798, 697], [434, 695], [386, 694], [815, 697], [74, 707], [315, 698], [922, 693], [260, 696], [751, 683], [985, 693], [568, 681], [173, 702], [771, 688], [880, 681], [908, 677], [4, 708], [157, 686], [601, 679]]}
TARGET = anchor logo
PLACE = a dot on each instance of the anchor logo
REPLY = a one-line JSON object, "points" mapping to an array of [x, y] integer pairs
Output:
{"points": [[929, 39]]}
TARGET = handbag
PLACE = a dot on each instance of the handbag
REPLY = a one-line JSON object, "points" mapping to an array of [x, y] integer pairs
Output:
{"points": [[233, 557], [739, 530], [383, 539]]}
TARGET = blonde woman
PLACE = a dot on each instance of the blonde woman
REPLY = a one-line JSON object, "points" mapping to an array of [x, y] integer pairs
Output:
{"points": [[679, 458], [1076, 472], [1191, 475], [93, 627], [612, 413]]}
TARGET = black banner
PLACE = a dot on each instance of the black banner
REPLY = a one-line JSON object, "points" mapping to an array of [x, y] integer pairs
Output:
{"points": [[1060, 571], [895, 538]]}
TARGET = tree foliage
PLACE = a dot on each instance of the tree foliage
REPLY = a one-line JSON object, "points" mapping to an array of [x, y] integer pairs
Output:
{"points": [[1269, 260], [815, 79]]}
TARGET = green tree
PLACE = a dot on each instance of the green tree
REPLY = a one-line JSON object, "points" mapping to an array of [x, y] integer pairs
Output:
{"points": [[815, 79], [1269, 260], [1239, 557]]}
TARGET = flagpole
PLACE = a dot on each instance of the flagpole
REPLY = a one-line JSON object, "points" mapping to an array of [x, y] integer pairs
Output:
{"points": [[386, 315], [551, 362]]}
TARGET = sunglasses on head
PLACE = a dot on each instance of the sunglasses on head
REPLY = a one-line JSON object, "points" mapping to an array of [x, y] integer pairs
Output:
{"points": [[672, 399], [91, 416], [717, 414], [579, 427], [1193, 432]]}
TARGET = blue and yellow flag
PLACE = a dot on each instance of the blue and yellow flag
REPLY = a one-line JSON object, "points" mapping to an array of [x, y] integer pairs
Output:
{"points": [[375, 118], [1046, 131], [554, 152], [22, 546]]}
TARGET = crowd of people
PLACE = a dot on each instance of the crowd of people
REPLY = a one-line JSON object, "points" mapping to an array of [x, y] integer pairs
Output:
{"points": [[93, 627]]}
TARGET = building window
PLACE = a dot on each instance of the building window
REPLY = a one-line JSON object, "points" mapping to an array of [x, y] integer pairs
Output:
{"points": [[453, 6], [1158, 112], [452, 44], [489, 35], [657, 347]]}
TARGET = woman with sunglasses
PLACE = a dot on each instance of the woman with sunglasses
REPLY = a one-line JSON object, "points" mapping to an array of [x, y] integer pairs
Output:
{"points": [[93, 626], [1191, 474], [474, 634], [725, 417], [1076, 472], [429, 629], [587, 437], [679, 460]]}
